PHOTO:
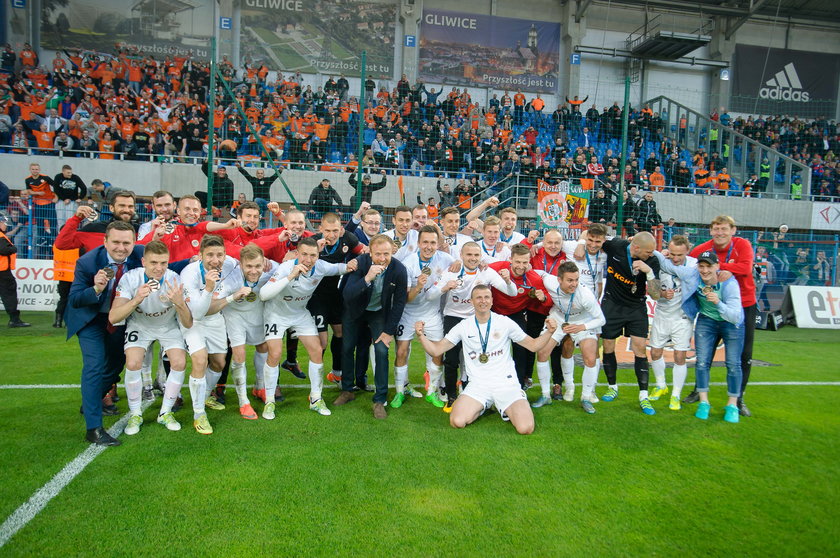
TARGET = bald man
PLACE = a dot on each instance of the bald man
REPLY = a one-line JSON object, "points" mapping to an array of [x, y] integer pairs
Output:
{"points": [[632, 271]]}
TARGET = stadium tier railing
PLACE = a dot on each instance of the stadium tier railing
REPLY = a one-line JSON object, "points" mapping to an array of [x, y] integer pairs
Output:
{"points": [[743, 156]]}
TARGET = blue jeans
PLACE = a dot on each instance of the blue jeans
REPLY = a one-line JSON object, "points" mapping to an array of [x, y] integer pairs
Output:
{"points": [[353, 331], [706, 332]]}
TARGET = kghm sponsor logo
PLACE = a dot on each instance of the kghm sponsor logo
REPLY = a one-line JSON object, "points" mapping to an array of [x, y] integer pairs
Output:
{"points": [[785, 86]]}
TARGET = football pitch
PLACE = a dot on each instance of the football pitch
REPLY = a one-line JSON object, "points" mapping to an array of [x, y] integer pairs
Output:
{"points": [[616, 483]]}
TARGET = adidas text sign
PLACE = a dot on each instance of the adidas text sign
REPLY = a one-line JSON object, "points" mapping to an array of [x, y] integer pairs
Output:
{"points": [[785, 86]]}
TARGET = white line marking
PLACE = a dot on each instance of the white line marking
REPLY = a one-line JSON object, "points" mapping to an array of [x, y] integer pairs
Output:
{"points": [[32, 507], [306, 385]]}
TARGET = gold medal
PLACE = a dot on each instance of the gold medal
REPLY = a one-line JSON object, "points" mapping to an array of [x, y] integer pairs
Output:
{"points": [[251, 297], [426, 271], [707, 289], [532, 293], [397, 244], [109, 272], [565, 324], [483, 358]]}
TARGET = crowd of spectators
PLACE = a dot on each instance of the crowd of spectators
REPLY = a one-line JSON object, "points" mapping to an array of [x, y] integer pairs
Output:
{"points": [[137, 106], [814, 143]]}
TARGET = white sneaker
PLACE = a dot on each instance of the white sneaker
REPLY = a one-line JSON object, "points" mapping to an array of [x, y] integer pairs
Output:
{"points": [[593, 398], [569, 393], [409, 390], [168, 420], [319, 407], [133, 426], [268, 411]]}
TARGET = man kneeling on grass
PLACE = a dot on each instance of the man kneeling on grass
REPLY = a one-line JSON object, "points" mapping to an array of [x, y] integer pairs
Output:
{"points": [[486, 339]]}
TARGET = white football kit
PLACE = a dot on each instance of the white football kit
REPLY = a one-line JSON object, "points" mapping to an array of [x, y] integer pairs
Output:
{"points": [[456, 243], [244, 317], [426, 305], [489, 254], [208, 331], [592, 267], [458, 301], [493, 382], [155, 319], [285, 301], [669, 321], [407, 245], [580, 307]]}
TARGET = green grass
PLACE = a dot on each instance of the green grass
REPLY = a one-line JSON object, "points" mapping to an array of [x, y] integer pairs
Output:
{"points": [[613, 484], [288, 58], [269, 37]]}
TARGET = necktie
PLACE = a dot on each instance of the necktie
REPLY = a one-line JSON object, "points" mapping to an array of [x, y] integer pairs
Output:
{"points": [[117, 276]]}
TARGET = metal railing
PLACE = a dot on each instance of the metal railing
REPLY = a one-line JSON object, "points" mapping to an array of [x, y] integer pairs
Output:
{"points": [[745, 155]]}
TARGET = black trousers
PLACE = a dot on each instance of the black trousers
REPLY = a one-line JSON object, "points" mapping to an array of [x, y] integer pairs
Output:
{"points": [[520, 353], [536, 322], [8, 293], [452, 359], [63, 293], [354, 329]]}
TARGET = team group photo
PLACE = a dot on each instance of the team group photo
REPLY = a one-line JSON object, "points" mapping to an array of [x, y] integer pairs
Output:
{"points": [[384, 276]]}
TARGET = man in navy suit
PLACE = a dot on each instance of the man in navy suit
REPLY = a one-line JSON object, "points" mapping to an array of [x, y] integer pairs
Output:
{"points": [[374, 296], [97, 274]]}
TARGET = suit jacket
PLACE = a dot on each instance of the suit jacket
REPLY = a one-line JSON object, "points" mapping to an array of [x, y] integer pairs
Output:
{"points": [[394, 292], [83, 302]]}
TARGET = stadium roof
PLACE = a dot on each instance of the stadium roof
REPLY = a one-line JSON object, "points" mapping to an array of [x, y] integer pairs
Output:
{"points": [[819, 11]]}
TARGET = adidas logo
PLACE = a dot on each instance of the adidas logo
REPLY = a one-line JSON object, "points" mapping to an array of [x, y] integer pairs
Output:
{"points": [[785, 86]]}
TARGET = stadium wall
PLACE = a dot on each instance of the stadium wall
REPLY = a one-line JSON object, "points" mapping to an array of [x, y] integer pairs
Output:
{"points": [[145, 178]]}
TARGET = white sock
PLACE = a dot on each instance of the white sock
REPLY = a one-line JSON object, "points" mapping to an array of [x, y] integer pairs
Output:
{"points": [[372, 361], [590, 376], [316, 380], [643, 394], [238, 373], [259, 366], [212, 378], [160, 374], [198, 392], [172, 390], [614, 386], [146, 369], [133, 390], [270, 373], [567, 366], [400, 377], [544, 374], [435, 374], [658, 368], [680, 372]]}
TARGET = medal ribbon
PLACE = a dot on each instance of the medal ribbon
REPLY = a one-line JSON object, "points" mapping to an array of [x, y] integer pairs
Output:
{"points": [[553, 265], [486, 339]]}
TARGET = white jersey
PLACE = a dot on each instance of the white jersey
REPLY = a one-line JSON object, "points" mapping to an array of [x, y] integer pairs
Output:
{"points": [[286, 298], [427, 301], [672, 309], [251, 305], [456, 243], [497, 338], [514, 238], [489, 254], [408, 245], [198, 299], [580, 307], [153, 315], [592, 267], [458, 301]]}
